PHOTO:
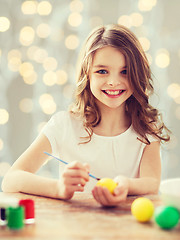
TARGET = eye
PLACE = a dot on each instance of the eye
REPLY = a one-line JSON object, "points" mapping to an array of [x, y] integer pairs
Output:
{"points": [[102, 71], [124, 72]]}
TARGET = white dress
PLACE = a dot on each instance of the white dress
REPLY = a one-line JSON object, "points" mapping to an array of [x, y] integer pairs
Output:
{"points": [[107, 156]]}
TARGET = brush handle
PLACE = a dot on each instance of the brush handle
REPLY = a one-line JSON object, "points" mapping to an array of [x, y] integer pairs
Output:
{"points": [[67, 163]]}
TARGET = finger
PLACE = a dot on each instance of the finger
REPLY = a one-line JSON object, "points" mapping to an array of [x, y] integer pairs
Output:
{"points": [[87, 167], [75, 188], [95, 194], [76, 165], [76, 173], [101, 195], [75, 181]]}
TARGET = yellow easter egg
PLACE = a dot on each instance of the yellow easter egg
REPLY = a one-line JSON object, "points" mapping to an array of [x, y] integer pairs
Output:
{"points": [[142, 209], [109, 183]]}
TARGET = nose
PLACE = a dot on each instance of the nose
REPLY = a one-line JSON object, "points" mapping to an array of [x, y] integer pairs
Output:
{"points": [[113, 80]]}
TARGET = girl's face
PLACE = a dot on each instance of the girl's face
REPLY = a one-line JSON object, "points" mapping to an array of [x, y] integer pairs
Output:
{"points": [[108, 78]]}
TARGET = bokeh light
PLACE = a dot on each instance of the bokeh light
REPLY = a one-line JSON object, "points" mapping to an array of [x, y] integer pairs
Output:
{"points": [[50, 64], [62, 77], [75, 19], [29, 7], [37, 54], [26, 37], [26, 69], [30, 79], [4, 116], [43, 30], [146, 5], [49, 78], [136, 19], [145, 43], [76, 6], [14, 60], [72, 42], [47, 103], [4, 24], [125, 20], [162, 59], [26, 105], [173, 90], [44, 8]]}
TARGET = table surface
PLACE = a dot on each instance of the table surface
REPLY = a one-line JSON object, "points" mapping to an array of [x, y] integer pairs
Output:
{"points": [[83, 218]]}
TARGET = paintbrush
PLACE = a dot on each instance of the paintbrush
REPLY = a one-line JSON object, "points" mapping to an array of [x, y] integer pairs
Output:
{"points": [[67, 163]]}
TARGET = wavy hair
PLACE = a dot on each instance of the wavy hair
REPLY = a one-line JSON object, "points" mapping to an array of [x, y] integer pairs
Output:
{"points": [[144, 118]]}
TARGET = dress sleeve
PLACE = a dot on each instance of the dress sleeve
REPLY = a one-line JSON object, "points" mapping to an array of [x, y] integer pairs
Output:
{"points": [[53, 130]]}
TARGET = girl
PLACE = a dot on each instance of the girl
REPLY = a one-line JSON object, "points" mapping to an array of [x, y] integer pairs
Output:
{"points": [[110, 129]]}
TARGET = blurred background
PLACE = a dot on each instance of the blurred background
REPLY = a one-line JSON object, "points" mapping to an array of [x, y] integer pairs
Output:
{"points": [[39, 46]]}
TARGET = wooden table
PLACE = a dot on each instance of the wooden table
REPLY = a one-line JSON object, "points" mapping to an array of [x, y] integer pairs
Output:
{"points": [[83, 218]]}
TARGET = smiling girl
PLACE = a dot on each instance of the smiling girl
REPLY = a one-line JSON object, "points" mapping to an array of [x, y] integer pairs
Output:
{"points": [[111, 129]]}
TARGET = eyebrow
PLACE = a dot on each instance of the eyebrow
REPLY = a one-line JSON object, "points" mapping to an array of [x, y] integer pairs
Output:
{"points": [[104, 66]]}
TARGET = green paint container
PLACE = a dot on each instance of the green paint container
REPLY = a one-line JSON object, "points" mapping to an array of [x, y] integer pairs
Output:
{"points": [[15, 217]]}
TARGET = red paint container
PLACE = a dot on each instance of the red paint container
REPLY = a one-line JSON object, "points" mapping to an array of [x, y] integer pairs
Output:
{"points": [[29, 211]]}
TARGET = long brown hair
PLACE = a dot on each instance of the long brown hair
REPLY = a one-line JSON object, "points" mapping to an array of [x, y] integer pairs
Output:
{"points": [[145, 119]]}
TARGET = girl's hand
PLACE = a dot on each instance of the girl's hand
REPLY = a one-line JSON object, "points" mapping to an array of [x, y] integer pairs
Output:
{"points": [[73, 178], [105, 198]]}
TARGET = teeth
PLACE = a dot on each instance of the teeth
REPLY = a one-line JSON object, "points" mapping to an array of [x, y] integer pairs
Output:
{"points": [[114, 92]]}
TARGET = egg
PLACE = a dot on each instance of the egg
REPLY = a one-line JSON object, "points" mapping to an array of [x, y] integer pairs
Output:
{"points": [[109, 183], [166, 217], [142, 209]]}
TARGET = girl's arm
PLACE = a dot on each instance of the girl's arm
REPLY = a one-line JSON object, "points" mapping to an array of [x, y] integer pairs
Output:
{"points": [[21, 176], [147, 183], [149, 173]]}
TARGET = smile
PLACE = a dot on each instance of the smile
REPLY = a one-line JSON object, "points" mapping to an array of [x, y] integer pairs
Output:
{"points": [[113, 93]]}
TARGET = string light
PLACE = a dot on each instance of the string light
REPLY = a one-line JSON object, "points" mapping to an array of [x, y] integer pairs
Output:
{"points": [[26, 69], [146, 5], [125, 20], [72, 42], [75, 19], [4, 24], [136, 19], [62, 77], [26, 105], [76, 6], [43, 30], [4, 116], [26, 37], [162, 58], [173, 90], [50, 64], [50, 78], [47, 103], [145, 43], [29, 7], [44, 8], [31, 79]]}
